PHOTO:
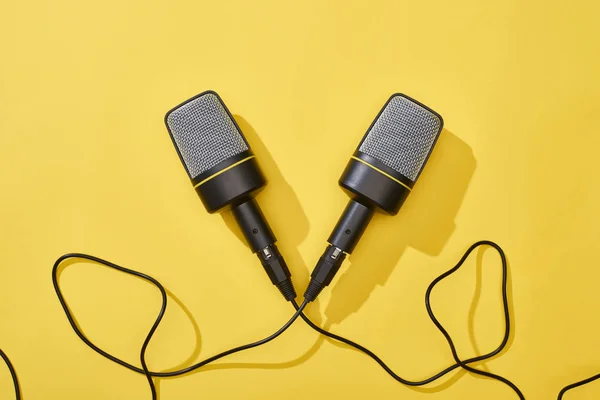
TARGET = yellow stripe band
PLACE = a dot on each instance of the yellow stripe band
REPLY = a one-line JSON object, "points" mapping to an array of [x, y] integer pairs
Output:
{"points": [[223, 170], [381, 172]]}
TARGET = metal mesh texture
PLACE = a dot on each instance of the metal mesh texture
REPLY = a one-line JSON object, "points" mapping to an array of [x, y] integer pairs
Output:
{"points": [[204, 134], [402, 136]]}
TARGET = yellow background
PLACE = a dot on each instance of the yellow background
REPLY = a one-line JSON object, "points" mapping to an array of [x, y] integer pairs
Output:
{"points": [[87, 165]]}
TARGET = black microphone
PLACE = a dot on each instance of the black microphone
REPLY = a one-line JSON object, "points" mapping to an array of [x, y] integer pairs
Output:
{"points": [[226, 175], [379, 177]]}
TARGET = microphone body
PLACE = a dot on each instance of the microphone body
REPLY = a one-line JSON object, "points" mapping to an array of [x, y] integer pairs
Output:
{"points": [[226, 175], [378, 177]]}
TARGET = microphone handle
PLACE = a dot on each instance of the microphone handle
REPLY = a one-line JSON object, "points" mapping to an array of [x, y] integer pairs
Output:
{"points": [[351, 226], [342, 241], [261, 239]]}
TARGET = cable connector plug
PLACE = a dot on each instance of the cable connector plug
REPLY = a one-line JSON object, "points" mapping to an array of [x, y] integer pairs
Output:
{"points": [[275, 266], [328, 265]]}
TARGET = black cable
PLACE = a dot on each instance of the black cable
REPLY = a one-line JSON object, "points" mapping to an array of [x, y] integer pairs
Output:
{"points": [[13, 374], [149, 374], [144, 370], [577, 384], [459, 363], [505, 307], [299, 308]]}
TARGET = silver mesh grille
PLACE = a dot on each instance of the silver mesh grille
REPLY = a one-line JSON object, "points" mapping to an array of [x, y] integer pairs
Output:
{"points": [[402, 136], [204, 133]]}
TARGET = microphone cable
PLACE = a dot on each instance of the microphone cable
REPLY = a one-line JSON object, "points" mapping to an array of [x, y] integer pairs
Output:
{"points": [[13, 374], [577, 384], [144, 370], [458, 362], [299, 313]]}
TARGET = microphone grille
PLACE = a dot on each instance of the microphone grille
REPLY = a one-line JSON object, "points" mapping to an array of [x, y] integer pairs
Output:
{"points": [[204, 133], [402, 136]]}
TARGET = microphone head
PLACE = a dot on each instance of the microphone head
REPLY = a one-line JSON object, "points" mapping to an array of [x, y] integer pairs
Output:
{"points": [[402, 136], [205, 134], [392, 154], [214, 152]]}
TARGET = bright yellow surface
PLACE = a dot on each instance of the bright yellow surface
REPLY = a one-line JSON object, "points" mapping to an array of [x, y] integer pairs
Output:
{"points": [[87, 166]]}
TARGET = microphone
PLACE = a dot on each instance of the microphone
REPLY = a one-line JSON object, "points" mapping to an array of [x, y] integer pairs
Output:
{"points": [[379, 176], [226, 175]]}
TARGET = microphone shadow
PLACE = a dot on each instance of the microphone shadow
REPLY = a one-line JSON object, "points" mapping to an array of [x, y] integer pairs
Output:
{"points": [[282, 210], [288, 221], [425, 223]]}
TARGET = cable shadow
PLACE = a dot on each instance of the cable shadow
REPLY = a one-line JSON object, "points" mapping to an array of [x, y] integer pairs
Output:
{"points": [[195, 327], [157, 387], [443, 383], [267, 366], [475, 303], [197, 348], [473, 309], [198, 342], [471, 324], [157, 381], [511, 309]]}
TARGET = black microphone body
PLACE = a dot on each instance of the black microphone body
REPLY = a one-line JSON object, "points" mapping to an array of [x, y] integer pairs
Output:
{"points": [[378, 178], [226, 175]]}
